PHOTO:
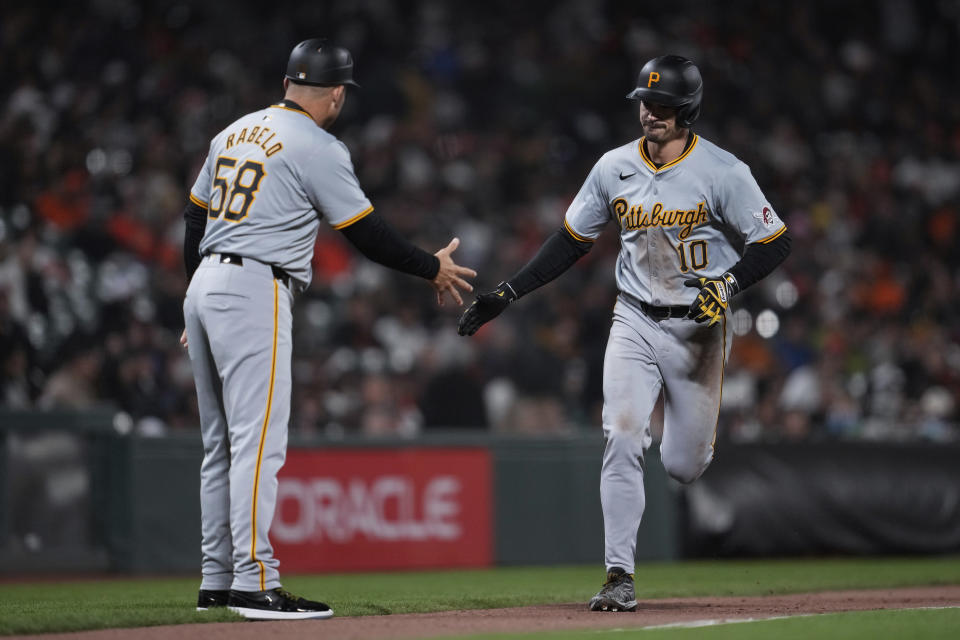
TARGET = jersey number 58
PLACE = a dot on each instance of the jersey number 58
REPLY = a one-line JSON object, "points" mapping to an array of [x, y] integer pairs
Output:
{"points": [[236, 194]]}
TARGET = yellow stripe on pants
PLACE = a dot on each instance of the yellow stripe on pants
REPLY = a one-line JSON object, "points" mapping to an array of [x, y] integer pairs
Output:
{"points": [[263, 437], [723, 365]]}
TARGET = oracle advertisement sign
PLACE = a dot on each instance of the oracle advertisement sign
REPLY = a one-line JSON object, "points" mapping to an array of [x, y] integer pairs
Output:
{"points": [[370, 509]]}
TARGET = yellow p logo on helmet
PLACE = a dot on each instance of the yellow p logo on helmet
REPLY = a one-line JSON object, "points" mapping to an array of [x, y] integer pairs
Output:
{"points": [[654, 77]]}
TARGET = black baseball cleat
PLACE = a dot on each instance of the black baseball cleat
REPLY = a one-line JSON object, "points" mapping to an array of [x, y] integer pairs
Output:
{"points": [[617, 593], [209, 598], [276, 604]]}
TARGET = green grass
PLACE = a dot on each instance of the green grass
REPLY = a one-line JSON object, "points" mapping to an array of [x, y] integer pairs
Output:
{"points": [[931, 624], [70, 606]]}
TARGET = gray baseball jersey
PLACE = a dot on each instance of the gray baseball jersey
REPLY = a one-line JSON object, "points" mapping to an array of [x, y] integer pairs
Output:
{"points": [[267, 179], [688, 219]]}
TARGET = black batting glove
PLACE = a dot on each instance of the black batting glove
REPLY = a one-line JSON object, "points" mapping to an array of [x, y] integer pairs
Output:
{"points": [[485, 308], [714, 296]]}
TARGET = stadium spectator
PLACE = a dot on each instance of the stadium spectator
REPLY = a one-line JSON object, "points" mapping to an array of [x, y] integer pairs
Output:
{"points": [[481, 122]]}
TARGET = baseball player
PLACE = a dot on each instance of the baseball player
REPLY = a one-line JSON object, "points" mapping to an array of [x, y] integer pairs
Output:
{"points": [[695, 230], [252, 222]]}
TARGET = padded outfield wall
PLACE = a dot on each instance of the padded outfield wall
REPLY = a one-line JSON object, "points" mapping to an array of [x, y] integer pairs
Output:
{"points": [[79, 492]]}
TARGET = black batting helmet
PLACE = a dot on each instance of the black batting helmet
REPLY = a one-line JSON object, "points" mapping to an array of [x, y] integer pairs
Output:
{"points": [[320, 63], [673, 81]]}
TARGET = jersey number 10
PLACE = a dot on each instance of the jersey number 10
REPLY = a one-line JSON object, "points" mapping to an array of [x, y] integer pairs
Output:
{"points": [[237, 195], [698, 255]]}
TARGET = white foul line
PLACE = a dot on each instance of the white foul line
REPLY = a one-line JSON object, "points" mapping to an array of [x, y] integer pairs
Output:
{"points": [[693, 624], [717, 621]]}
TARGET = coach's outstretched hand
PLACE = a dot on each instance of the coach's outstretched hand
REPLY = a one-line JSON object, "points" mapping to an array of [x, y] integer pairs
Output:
{"points": [[448, 278], [485, 308]]}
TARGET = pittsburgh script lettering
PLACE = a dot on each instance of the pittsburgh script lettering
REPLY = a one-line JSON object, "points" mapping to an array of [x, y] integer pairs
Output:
{"points": [[634, 217]]}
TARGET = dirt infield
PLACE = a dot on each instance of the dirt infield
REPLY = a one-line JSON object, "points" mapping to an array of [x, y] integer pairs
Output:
{"points": [[542, 618]]}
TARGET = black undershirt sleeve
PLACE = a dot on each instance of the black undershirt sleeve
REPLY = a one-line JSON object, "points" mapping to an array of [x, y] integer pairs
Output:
{"points": [[561, 250], [555, 256], [380, 242], [759, 259], [196, 219]]}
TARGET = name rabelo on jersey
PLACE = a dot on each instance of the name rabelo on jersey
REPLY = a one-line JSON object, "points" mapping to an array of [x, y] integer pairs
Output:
{"points": [[255, 136]]}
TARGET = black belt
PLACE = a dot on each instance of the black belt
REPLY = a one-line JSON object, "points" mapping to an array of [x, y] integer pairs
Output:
{"points": [[662, 313], [278, 273]]}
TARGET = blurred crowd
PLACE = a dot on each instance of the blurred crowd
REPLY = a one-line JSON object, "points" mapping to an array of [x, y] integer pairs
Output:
{"points": [[481, 120]]}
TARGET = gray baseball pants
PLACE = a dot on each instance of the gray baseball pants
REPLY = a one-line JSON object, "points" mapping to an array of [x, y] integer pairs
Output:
{"points": [[645, 356], [238, 322]]}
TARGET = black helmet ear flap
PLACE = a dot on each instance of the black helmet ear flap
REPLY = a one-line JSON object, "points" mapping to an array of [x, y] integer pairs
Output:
{"points": [[673, 81]]}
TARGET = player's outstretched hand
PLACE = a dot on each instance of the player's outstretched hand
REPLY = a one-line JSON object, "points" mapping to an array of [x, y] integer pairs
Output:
{"points": [[450, 276], [485, 308], [711, 302]]}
